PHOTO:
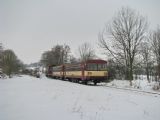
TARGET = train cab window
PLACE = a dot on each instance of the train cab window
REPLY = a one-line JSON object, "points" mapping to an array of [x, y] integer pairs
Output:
{"points": [[102, 66], [57, 69], [96, 67], [92, 67]]}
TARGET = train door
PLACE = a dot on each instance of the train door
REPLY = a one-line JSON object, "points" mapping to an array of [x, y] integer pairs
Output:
{"points": [[83, 70]]}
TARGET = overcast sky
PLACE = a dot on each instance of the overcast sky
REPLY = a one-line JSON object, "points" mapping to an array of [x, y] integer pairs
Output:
{"points": [[30, 27]]}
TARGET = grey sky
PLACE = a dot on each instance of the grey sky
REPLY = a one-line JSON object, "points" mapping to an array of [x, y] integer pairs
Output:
{"points": [[30, 27]]}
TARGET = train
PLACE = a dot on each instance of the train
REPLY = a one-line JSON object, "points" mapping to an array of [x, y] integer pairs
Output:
{"points": [[94, 70]]}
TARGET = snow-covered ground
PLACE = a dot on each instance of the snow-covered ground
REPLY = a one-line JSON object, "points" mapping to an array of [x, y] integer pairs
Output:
{"points": [[29, 98], [140, 84]]}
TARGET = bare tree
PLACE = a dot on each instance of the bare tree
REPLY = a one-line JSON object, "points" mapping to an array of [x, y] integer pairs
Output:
{"points": [[47, 58], [155, 38], [56, 56], [73, 59], [86, 52], [10, 63], [146, 55], [64, 58], [122, 38]]}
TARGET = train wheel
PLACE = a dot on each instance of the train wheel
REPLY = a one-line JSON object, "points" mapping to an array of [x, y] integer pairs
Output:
{"points": [[69, 79], [77, 81], [85, 82], [95, 83]]}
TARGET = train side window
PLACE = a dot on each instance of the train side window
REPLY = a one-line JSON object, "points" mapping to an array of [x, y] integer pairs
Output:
{"points": [[92, 67]]}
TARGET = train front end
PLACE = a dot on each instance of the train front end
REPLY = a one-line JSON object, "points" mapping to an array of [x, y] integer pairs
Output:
{"points": [[95, 71]]}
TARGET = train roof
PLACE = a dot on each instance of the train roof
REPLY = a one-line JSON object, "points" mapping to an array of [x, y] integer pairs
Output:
{"points": [[88, 61], [96, 61]]}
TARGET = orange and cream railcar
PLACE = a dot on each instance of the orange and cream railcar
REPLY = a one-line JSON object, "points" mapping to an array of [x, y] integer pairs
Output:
{"points": [[91, 70]]}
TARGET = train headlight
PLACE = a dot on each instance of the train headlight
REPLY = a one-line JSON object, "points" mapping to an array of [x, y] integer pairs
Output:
{"points": [[89, 73]]}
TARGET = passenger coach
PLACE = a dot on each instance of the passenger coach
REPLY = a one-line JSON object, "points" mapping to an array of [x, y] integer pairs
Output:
{"points": [[92, 70]]}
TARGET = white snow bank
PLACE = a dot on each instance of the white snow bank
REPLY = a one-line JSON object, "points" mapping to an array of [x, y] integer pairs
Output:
{"points": [[136, 84], [29, 98]]}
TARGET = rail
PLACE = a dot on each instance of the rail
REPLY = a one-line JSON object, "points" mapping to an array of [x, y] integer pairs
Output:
{"points": [[129, 89]]}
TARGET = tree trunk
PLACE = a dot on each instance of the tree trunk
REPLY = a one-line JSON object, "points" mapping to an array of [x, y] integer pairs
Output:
{"points": [[130, 75], [147, 72], [127, 73], [158, 72]]}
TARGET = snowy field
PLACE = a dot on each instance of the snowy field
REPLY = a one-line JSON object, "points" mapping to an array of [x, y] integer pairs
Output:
{"points": [[140, 85], [29, 98]]}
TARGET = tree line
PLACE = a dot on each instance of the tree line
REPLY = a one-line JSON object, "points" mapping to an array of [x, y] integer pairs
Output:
{"points": [[61, 54], [9, 63]]}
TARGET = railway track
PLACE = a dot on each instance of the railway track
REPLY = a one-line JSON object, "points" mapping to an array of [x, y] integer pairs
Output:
{"points": [[133, 90], [129, 89]]}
